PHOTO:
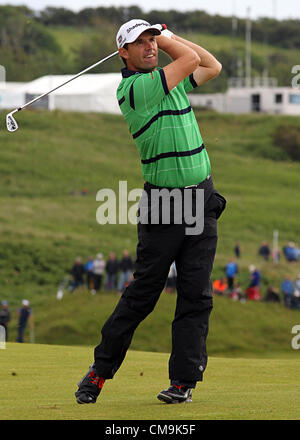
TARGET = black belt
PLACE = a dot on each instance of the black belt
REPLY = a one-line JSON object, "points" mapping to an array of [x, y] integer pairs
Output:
{"points": [[198, 185]]}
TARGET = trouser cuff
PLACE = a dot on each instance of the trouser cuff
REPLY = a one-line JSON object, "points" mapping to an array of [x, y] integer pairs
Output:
{"points": [[183, 383]]}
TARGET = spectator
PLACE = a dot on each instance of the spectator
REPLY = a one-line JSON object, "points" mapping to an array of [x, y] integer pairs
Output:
{"points": [[220, 286], [272, 295], [89, 270], [297, 284], [77, 273], [255, 276], [287, 289], [231, 270], [237, 293], [171, 280], [296, 297], [290, 252], [237, 249], [112, 268], [126, 268], [5, 317], [99, 266], [265, 250], [25, 315], [253, 291]]}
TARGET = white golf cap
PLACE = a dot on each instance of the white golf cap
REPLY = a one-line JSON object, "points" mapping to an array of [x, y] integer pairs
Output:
{"points": [[25, 302], [132, 29]]}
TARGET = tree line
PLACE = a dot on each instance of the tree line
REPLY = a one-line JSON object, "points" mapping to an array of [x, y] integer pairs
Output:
{"points": [[29, 49], [285, 33]]}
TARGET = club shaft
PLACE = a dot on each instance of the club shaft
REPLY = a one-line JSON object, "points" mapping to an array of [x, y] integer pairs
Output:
{"points": [[66, 82]]}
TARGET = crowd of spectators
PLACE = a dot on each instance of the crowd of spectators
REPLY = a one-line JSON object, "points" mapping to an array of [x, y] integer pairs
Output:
{"points": [[24, 316], [116, 274], [113, 274], [288, 292], [290, 251], [96, 273]]}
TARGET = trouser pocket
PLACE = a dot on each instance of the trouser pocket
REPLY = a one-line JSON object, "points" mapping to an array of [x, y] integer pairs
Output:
{"points": [[215, 205]]}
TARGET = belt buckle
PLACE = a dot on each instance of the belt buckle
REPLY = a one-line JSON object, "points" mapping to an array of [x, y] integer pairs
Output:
{"points": [[191, 186]]}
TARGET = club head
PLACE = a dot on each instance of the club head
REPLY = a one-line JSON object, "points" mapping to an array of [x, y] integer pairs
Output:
{"points": [[11, 123]]}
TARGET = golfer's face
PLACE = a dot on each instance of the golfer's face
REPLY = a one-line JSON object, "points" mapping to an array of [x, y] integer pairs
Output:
{"points": [[143, 53]]}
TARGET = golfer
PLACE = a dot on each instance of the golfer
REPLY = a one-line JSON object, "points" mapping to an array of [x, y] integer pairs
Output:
{"points": [[155, 106]]}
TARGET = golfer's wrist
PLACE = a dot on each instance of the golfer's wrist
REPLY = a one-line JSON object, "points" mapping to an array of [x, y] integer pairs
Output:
{"points": [[167, 33]]}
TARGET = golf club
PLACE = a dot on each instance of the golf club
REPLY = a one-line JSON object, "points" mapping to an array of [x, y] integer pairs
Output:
{"points": [[11, 123]]}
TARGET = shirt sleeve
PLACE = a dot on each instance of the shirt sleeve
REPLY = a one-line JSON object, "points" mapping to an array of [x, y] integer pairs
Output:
{"points": [[189, 83], [147, 90]]}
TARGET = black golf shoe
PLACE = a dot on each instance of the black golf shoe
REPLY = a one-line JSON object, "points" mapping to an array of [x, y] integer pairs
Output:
{"points": [[89, 387], [176, 394]]}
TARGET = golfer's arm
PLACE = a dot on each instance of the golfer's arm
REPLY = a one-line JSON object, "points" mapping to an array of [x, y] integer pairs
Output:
{"points": [[185, 61], [208, 68]]}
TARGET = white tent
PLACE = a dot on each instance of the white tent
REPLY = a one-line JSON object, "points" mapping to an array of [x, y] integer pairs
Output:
{"points": [[11, 95], [88, 93], [92, 93]]}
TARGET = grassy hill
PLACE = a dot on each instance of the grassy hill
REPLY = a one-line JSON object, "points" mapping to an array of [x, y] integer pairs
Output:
{"points": [[236, 329], [233, 389], [45, 222], [70, 37], [265, 57]]}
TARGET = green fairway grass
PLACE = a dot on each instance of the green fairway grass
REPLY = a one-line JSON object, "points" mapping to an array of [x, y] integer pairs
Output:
{"points": [[38, 382]]}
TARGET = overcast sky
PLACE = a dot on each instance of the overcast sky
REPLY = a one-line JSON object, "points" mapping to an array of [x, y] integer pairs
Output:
{"points": [[267, 8]]}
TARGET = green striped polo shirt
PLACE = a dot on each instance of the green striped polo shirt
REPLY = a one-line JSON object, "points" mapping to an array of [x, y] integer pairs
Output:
{"points": [[164, 128]]}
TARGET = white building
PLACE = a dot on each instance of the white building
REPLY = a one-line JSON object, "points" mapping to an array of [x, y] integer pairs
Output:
{"points": [[259, 97], [88, 93]]}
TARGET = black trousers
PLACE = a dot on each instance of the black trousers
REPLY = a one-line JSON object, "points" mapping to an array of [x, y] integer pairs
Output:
{"points": [[158, 246], [97, 281], [21, 330]]}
